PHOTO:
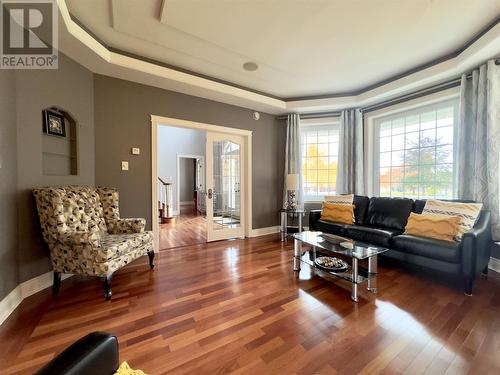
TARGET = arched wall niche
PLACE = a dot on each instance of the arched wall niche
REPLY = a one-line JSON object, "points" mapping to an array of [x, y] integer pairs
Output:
{"points": [[59, 144]]}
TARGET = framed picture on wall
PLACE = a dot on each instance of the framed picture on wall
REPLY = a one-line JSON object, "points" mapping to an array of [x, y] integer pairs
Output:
{"points": [[53, 123]]}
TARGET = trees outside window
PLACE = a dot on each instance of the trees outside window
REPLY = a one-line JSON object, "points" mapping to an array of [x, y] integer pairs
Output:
{"points": [[416, 153], [319, 161]]}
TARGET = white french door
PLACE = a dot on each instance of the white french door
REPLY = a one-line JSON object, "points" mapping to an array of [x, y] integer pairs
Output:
{"points": [[225, 186]]}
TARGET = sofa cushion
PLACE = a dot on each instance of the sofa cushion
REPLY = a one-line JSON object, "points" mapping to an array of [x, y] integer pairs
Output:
{"points": [[389, 212], [116, 245], [427, 247], [329, 227], [371, 235], [360, 207]]}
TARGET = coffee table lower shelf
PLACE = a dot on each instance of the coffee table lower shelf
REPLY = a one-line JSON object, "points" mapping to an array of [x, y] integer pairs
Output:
{"points": [[362, 275]]}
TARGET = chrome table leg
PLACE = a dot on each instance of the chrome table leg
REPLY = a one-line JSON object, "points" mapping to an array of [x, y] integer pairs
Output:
{"points": [[282, 228], [284, 220], [300, 222], [297, 248], [354, 294], [372, 274]]}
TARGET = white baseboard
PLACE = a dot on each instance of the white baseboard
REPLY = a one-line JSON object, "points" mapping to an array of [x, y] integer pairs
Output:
{"points": [[494, 264], [264, 231], [25, 290]]}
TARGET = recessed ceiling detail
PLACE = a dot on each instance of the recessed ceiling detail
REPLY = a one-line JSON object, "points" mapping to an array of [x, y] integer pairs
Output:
{"points": [[250, 66], [301, 48]]}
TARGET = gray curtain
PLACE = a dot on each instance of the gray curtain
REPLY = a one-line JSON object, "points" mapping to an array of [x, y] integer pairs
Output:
{"points": [[350, 177], [292, 155], [479, 140]]}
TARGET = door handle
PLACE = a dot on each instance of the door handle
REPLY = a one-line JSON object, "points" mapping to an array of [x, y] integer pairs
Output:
{"points": [[210, 193]]}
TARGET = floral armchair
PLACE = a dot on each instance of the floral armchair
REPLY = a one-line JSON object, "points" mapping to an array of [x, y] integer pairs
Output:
{"points": [[85, 234]]}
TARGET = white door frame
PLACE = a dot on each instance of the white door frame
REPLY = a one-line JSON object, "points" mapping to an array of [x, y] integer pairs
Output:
{"points": [[179, 156], [169, 121]]}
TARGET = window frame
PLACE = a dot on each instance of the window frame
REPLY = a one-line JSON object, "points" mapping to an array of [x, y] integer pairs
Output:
{"points": [[417, 110], [316, 123]]}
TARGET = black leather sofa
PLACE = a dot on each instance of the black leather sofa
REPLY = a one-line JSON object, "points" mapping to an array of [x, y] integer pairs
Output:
{"points": [[381, 221], [94, 354]]}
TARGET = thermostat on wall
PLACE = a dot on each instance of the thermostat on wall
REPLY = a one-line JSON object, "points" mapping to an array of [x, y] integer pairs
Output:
{"points": [[136, 151]]}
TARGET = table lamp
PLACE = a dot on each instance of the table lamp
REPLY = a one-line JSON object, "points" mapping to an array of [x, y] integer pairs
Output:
{"points": [[292, 182]]}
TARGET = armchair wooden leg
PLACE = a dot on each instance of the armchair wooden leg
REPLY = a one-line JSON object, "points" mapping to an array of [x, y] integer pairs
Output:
{"points": [[57, 283], [107, 287], [151, 255]]}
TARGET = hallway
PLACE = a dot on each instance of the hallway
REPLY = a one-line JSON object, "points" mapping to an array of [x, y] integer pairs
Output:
{"points": [[189, 228]]}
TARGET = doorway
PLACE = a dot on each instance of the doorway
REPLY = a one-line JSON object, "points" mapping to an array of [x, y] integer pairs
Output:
{"points": [[191, 183], [226, 197]]}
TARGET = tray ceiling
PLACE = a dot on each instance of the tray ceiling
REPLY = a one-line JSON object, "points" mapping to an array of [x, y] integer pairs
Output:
{"points": [[303, 48]]}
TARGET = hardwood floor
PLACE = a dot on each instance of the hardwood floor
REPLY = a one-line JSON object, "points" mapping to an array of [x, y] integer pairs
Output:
{"points": [[236, 306], [189, 228]]}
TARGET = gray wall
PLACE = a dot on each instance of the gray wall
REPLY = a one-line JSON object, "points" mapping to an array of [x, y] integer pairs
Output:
{"points": [[172, 142], [71, 89], [186, 180], [9, 277], [122, 121]]}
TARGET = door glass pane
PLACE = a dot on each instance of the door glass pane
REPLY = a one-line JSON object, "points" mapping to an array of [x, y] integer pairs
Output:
{"points": [[226, 194]]}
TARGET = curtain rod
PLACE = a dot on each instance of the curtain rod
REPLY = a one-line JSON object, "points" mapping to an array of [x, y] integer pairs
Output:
{"points": [[414, 95], [305, 116]]}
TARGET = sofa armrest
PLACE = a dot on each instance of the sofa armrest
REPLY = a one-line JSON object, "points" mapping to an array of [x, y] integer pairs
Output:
{"points": [[96, 354], [476, 246], [120, 226], [80, 238], [314, 216]]}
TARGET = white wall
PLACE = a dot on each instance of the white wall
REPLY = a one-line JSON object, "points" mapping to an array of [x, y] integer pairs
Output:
{"points": [[177, 141]]}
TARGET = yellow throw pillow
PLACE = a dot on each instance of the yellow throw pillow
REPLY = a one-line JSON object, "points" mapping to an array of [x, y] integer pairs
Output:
{"points": [[338, 213], [439, 227], [125, 369]]}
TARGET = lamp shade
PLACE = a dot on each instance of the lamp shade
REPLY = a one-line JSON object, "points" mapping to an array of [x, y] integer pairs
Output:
{"points": [[292, 181]]}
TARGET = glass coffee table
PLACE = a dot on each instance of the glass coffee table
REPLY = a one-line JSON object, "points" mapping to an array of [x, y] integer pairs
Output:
{"points": [[330, 245]]}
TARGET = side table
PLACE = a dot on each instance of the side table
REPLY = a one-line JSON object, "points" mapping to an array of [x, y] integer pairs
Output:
{"points": [[284, 227]]}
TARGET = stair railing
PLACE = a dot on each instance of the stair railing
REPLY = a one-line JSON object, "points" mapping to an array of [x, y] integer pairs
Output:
{"points": [[165, 201]]}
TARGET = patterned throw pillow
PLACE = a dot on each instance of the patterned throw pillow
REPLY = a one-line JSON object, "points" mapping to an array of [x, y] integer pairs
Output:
{"points": [[467, 212], [337, 213], [439, 227], [339, 199]]}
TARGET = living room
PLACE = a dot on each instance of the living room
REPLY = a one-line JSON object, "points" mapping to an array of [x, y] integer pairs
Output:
{"points": [[350, 187]]}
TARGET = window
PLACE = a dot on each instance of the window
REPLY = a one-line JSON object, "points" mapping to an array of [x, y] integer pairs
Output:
{"points": [[320, 145], [415, 153]]}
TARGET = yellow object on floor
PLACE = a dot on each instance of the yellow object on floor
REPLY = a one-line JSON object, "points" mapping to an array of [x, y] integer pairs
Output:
{"points": [[125, 369]]}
